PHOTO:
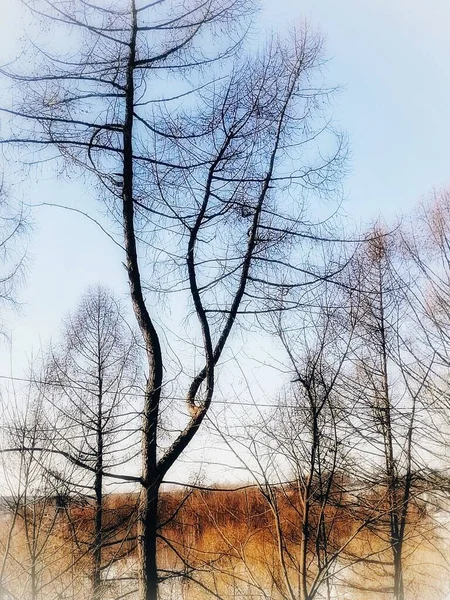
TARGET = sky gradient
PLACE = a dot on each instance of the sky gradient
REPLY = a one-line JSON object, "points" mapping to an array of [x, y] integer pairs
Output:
{"points": [[390, 60]]}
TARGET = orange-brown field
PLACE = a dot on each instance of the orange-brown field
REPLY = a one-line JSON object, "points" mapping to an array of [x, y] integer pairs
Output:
{"points": [[226, 544]]}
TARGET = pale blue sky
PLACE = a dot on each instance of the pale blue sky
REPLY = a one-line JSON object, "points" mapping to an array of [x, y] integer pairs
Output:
{"points": [[391, 58]]}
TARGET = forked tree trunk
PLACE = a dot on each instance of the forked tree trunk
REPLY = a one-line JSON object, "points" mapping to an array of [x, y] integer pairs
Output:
{"points": [[148, 509]]}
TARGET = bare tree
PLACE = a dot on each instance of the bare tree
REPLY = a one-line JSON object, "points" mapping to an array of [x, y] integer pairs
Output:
{"points": [[350, 432], [90, 386], [196, 178], [389, 383], [35, 560], [303, 454], [314, 434], [88, 426], [425, 242]]}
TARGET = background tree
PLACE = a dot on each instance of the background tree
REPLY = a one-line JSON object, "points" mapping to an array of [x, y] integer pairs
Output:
{"points": [[315, 438], [35, 561], [302, 458], [90, 387], [389, 385], [425, 242]]}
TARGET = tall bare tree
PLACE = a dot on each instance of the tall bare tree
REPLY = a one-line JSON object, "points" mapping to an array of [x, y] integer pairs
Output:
{"points": [[195, 173], [390, 384]]}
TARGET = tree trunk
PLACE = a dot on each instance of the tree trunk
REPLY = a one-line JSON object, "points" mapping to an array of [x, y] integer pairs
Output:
{"points": [[399, 593], [148, 524], [33, 577], [98, 485], [148, 510]]}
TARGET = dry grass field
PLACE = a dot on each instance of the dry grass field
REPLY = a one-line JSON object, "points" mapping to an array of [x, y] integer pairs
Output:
{"points": [[225, 545]]}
